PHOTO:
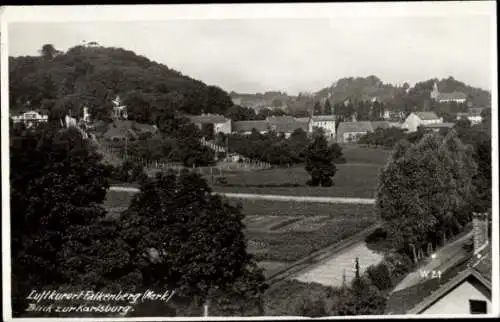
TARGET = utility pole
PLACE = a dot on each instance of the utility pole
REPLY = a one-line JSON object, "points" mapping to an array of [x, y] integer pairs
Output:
{"points": [[126, 151]]}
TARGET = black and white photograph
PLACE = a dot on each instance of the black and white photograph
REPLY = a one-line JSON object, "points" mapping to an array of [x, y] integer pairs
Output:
{"points": [[250, 160]]}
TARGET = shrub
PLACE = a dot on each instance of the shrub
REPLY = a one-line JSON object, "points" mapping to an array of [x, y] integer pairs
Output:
{"points": [[379, 276], [378, 235]]}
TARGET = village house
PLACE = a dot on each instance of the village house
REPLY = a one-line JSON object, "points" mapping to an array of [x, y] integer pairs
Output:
{"points": [[288, 124], [416, 119], [349, 132], [246, 127], [438, 127], [285, 125], [30, 118], [325, 122], [457, 97], [473, 115], [219, 122]]}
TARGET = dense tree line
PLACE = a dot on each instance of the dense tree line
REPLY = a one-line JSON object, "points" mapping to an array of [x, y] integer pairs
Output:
{"points": [[93, 76], [174, 235], [425, 191], [241, 113], [383, 137], [178, 140], [275, 148], [271, 147]]}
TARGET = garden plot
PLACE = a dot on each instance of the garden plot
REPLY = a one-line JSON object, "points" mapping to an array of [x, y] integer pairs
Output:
{"points": [[308, 224], [268, 223]]}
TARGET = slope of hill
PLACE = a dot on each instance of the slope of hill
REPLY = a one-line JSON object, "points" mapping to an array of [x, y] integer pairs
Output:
{"points": [[93, 76], [258, 100], [367, 88], [359, 88]]}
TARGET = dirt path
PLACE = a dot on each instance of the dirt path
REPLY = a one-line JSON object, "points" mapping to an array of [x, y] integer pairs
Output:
{"points": [[365, 201]]}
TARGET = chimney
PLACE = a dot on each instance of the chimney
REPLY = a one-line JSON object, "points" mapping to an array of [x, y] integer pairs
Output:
{"points": [[480, 228]]}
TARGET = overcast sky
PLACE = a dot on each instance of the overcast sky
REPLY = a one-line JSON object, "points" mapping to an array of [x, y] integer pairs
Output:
{"points": [[287, 53]]}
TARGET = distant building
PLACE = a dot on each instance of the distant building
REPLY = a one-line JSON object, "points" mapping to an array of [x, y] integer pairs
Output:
{"points": [[457, 97], [439, 126], [473, 115], [219, 122], [280, 124], [288, 124], [30, 118], [325, 122], [416, 119], [70, 121], [350, 132], [246, 127]]}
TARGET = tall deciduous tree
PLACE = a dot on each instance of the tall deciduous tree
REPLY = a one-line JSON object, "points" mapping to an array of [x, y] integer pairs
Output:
{"points": [[58, 236], [425, 190], [184, 238], [328, 108], [320, 161]]}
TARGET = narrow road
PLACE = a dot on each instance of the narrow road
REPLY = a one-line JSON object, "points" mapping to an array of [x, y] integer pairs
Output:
{"points": [[445, 257], [274, 197], [321, 256]]}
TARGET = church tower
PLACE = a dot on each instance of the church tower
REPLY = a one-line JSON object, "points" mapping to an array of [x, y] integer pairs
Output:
{"points": [[435, 92]]}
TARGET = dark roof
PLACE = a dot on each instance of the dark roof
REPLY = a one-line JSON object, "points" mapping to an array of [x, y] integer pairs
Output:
{"points": [[303, 119], [427, 115], [381, 124], [207, 118], [286, 123], [484, 265], [247, 126], [323, 117]]}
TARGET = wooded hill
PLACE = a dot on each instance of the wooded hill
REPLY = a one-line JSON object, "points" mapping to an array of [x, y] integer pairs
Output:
{"points": [[57, 82], [366, 88]]}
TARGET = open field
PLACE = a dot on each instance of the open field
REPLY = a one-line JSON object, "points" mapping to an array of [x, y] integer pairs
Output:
{"points": [[288, 231], [359, 154], [350, 181], [280, 232]]}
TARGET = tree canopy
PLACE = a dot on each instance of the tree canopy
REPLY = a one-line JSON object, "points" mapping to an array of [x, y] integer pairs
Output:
{"points": [[93, 75], [424, 192], [320, 160], [58, 233]]}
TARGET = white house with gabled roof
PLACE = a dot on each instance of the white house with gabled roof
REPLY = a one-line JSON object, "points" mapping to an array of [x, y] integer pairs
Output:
{"points": [[416, 119]]}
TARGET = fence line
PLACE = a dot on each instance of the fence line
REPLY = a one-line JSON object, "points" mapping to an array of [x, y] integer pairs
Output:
{"points": [[215, 171], [247, 162]]}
